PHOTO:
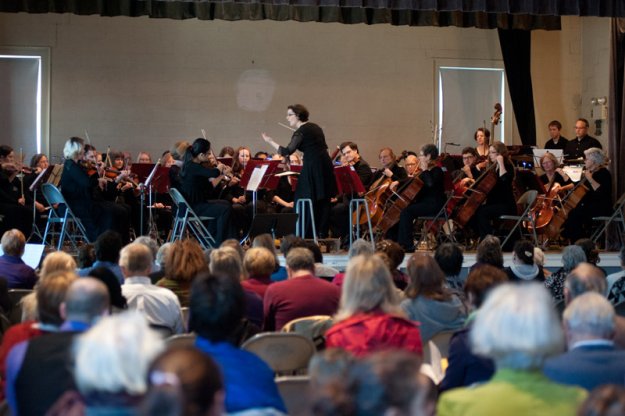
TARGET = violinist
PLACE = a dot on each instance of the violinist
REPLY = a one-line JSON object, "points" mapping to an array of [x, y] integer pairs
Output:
{"points": [[13, 210], [430, 199], [197, 189], [596, 202], [554, 177], [282, 197], [351, 156], [482, 138], [500, 200], [123, 189], [38, 163], [144, 157], [81, 185]]}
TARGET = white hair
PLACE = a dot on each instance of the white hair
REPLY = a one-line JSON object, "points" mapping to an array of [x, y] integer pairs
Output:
{"points": [[517, 327], [572, 256], [590, 314], [596, 155], [115, 354], [72, 148]]}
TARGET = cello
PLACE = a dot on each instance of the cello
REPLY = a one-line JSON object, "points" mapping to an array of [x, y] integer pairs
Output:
{"points": [[403, 198], [477, 195], [569, 202]]}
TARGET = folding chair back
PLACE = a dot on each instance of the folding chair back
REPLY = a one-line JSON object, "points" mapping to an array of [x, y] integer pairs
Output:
{"points": [[283, 352], [185, 219], [61, 213], [616, 217], [526, 201]]}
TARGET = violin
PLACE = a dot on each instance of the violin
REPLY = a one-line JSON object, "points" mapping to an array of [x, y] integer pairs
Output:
{"points": [[89, 167]]}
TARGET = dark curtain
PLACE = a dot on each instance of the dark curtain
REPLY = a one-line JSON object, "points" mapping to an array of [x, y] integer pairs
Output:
{"points": [[516, 51], [616, 105]]}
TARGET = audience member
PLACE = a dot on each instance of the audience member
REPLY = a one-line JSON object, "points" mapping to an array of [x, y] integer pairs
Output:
{"points": [[184, 381], [523, 268], [488, 252], [358, 247], [267, 241], [106, 276], [184, 262], [234, 243], [86, 256], [152, 244], [39, 370], [369, 318], [302, 294], [107, 248], [216, 313], [258, 264], [395, 255], [430, 302], [18, 274], [518, 328], [160, 306], [616, 282], [449, 258], [539, 260], [591, 359], [571, 257], [590, 249], [160, 259], [607, 400], [464, 367], [57, 261]]}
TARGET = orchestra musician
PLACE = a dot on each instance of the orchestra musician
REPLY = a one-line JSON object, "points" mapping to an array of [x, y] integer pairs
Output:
{"points": [[430, 198], [390, 168], [575, 148], [198, 190], [316, 180], [482, 138], [411, 165], [81, 185], [598, 199], [144, 157], [500, 200], [13, 210], [469, 171], [556, 141], [554, 175], [339, 218], [38, 163]]}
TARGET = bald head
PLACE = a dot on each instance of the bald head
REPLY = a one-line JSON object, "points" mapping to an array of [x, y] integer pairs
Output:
{"points": [[584, 278], [86, 299]]}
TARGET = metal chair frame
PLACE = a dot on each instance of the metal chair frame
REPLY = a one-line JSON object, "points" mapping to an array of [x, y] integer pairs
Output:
{"points": [[61, 213], [185, 219], [617, 217], [527, 200], [441, 217]]}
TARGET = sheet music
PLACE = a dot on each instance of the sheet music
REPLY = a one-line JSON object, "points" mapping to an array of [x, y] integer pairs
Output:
{"points": [[574, 172], [257, 176], [32, 254]]}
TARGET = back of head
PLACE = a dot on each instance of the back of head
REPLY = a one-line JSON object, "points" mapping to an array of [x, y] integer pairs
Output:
{"points": [[584, 278], [606, 400], [524, 252], [13, 242], [590, 249], [572, 256], [107, 246], [234, 244], [226, 261], [51, 293], [290, 241], [368, 286], [590, 315], [114, 355], [489, 251], [185, 260], [57, 261], [449, 258], [394, 251], [216, 307], [148, 241], [517, 327], [265, 240], [315, 249], [481, 281], [360, 246], [86, 300], [187, 377], [162, 253], [259, 261], [136, 260], [300, 258], [108, 278], [426, 278]]}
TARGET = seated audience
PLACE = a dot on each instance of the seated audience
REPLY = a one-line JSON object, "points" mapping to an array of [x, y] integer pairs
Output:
{"points": [[592, 254], [184, 381], [464, 367], [152, 244], [539, 260], [518, 328], [395, 255], [258, 264], [571, 257], [18, 274], [107, 248], [607, 400], [184, 262], [591, 359], [106, 276], [449, 258], [616, 282], [369, 318], [160, 259], [523, 268], [160, 306], [302, 294], [216, 313], [488, 252], [39, 370], [358, 247], [267, 241], [430, 302]]}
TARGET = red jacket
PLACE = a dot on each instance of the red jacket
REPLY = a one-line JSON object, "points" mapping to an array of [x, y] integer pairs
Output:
{"points": [[365, 333]]}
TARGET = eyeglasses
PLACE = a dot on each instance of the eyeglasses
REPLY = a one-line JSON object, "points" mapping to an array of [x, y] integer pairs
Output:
{"points": [[290, 114], [467, 157], [410, 164]]}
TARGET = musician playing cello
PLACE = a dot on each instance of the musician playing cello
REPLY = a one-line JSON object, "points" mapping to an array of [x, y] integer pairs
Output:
{"points": [[554, 177], [429, 200], [596, 202], [500, 200], [390, 168]]}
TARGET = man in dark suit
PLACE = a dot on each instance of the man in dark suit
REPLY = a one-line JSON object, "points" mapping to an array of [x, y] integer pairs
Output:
{"points": [[591, 359], [575, 148]]}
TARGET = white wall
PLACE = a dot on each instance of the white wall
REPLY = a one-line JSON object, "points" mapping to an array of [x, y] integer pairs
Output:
{"points": [[140, 83]]}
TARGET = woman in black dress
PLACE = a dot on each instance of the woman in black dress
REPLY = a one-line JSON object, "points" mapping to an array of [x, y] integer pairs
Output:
{"points": [[316, 181]]}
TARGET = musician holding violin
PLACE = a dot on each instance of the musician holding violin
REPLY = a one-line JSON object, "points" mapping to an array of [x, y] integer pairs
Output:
{"points": [[500, 200], [430, 198], [13, 210], [598, 199]]}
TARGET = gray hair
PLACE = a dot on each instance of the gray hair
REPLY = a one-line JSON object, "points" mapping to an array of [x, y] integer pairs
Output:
{"points": [[149, 242], [115, 354], [300, 258], [517, 327], [86, 300], [596, 155], [368, 285], [359, 247], [590, 314], [73, 147], [226, 261], [572, 256], [136, 258], [162, 253], [585, 278]]}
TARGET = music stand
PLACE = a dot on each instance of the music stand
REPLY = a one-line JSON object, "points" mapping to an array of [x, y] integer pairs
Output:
{"points": [[278, 225], [259, 174], [142, 186], [348, 182], [44, 176]]}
